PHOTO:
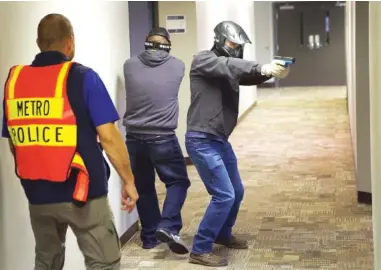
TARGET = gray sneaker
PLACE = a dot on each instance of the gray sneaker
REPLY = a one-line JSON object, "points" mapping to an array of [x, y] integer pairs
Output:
{"points": [[174, 242], [208, 259]]}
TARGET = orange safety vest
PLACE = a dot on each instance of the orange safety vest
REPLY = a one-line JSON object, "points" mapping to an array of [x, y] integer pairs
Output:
{"points": [[43, 126]]}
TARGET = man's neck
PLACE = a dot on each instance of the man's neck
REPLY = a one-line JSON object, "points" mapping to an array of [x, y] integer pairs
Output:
{"points": [[56, 51]]}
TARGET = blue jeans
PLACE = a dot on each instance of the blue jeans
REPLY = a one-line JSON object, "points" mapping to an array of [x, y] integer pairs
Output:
{"points": [[163, 154], [216, 164]]}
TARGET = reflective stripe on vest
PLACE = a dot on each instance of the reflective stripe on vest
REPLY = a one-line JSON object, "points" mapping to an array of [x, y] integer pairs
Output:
{"points": [[43, 126]]}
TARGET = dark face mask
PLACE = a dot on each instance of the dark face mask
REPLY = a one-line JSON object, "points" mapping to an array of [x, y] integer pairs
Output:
{"points": [[234, 52]]}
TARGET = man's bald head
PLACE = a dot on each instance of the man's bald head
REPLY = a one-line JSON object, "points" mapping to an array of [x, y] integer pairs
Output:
{"points": [[55, 33], [158, 39]]}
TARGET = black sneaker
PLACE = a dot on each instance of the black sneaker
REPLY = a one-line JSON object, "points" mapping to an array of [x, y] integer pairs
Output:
{"points": [[174, 242], [150, 245]]}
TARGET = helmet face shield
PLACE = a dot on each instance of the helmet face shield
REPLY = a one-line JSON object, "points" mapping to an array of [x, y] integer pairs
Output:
{"points": [[232, 32], [236, 34]]}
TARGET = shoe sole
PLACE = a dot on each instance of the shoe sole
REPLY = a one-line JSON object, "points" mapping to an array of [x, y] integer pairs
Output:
{"points": [[238, 247], [234, 247], [174, 246], [149, 247], [199, 262]]}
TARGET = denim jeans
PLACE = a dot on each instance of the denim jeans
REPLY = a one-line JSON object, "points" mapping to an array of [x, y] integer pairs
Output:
{"points": [[216, 164], [163, 154]]}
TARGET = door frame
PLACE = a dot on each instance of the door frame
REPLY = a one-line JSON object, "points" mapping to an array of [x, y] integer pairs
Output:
{"points": [[275, 34], [275, 7]]}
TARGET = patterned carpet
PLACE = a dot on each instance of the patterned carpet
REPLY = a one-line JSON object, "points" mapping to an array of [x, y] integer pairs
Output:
{"points": [[300, 209]]}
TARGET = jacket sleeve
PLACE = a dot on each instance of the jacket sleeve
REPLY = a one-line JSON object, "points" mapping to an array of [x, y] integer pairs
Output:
{"points": [[247, 80], [209, 65]]}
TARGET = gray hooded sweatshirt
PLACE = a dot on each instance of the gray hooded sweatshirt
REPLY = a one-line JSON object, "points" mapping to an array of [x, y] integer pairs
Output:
{"points": [[152, 82]]}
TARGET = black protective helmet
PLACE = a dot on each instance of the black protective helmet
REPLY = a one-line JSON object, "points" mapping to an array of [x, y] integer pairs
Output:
{"points": [[158, 31], [228, 30]]}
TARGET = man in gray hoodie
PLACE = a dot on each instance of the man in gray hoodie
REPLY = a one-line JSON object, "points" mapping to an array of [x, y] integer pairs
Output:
{"points": [[152, 82]]}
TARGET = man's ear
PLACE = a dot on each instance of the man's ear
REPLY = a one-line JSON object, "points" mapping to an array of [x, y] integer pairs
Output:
{"points": [[72, 40]]}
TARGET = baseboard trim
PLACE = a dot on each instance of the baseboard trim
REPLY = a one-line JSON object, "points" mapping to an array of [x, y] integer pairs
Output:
{"points": [[189, 162], [243, 116], [129, 233], [364, 197]]}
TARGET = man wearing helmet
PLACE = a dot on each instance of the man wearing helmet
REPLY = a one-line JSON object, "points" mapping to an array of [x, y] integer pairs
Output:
{"points": [[152, 82], [215, 78]]}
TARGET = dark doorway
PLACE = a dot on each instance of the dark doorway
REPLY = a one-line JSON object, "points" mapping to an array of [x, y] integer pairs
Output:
{"points": [[142, 17], [314, 33]]}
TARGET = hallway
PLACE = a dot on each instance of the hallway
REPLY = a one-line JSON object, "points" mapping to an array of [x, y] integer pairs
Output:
{"points": [[300, 209]]}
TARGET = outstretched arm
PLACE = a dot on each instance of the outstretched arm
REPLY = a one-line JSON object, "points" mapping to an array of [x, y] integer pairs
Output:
{"points": [[209, 65], [275, 68], [247, 80]]}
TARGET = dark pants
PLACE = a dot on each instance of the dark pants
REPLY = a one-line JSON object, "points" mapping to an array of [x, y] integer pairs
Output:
{"points": [[216, 164], [163, 154]]}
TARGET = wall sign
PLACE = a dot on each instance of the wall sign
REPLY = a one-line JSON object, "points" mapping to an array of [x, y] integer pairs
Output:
{"points": [[176, 24]]}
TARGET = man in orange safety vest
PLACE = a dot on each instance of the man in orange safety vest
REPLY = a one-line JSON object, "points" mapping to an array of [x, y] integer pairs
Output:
{"points": [[55, 112]]}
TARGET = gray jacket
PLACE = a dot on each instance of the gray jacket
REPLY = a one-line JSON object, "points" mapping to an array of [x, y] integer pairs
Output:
{"points": [[214, 84]]}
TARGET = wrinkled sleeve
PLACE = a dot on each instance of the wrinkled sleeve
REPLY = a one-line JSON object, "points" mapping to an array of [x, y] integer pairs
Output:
{"points": [[209, 65], [247, 80], [101, 108]]}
